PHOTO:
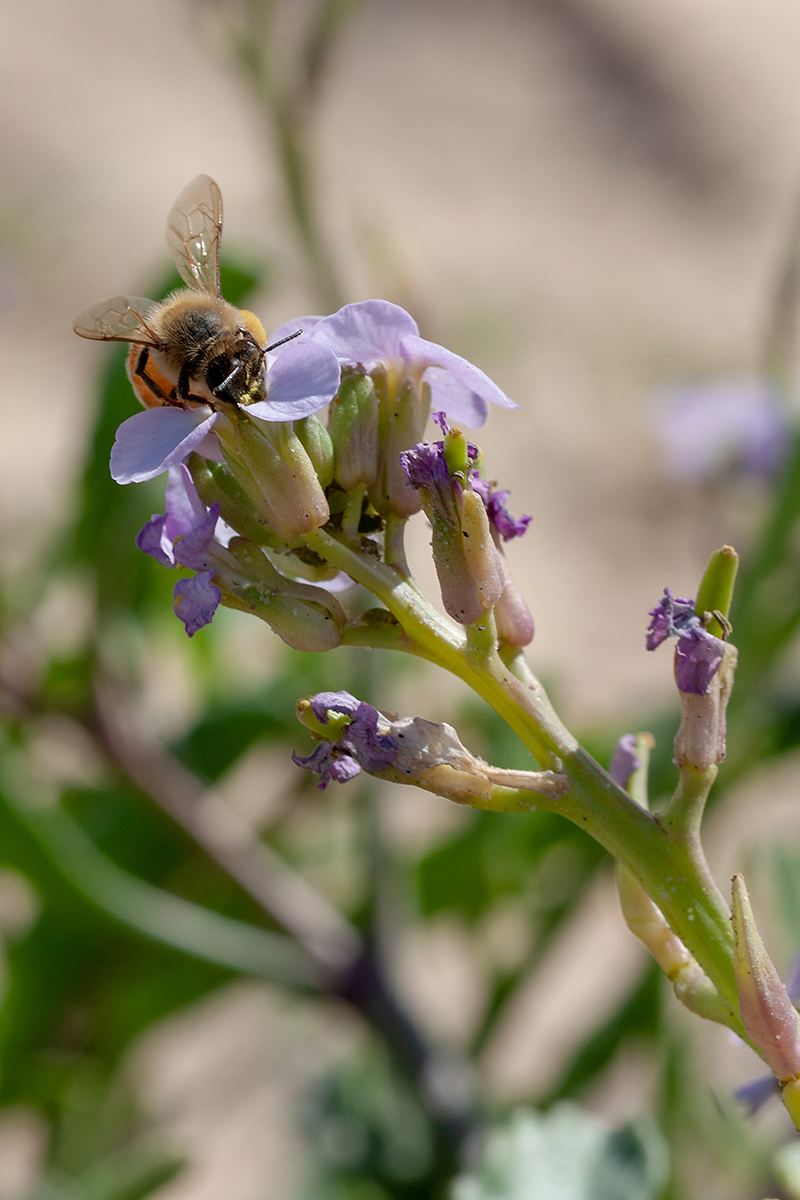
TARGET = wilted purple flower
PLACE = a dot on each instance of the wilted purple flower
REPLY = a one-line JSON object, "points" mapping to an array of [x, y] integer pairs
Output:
{"points": [[624, 760], [196, 600], [300, 381], [706, 428], [361, 745], [375, 331], [699, 653], [499, 516]]}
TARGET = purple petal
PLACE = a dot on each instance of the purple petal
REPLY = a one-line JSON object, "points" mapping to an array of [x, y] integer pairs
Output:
{"points": [[441, 420], [425, 466], [196, 600], [624, 760], [153, 540], [184, 508], [329, 763], [365, 332], [501, 518], [699, 656], [210, 448], [191, 550], [300, 381], [154, 440], [340, 702], [462, 390], [371, 749], [756, 1094], [670, 618], [304, 324]]}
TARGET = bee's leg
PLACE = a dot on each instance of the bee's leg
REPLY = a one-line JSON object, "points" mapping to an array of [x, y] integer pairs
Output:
{"points": [[155, 388]]}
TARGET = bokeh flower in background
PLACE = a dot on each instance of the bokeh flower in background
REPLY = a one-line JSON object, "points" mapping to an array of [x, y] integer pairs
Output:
{"points": [[707, 430]]}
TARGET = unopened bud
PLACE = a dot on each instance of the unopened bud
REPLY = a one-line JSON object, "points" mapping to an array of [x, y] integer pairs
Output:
{"points": [[317, 444], [767, 1013], [514, 621], [276, 473], [216, 485], [402, 419], [353, 426], [700, 741]]}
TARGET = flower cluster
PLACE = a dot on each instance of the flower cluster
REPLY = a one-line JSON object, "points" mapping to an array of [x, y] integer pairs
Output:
{"points": [[270, 472]]}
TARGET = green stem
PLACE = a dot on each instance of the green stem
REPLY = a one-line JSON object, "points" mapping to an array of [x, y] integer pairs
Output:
{"points": [[351, 518], [394, 550], [670, 871]]}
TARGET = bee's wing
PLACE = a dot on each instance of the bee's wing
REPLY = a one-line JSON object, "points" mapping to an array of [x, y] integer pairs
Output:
{"points": [[120, 319], [194, 232]]}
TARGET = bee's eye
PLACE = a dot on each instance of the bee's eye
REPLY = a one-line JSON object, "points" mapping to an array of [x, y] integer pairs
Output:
{"points": [[218, 371]]}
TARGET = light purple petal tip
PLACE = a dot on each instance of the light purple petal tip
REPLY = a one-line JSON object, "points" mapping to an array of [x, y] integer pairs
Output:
{"points": [[365, 332], [184, 508], [151, 539], [191, 549], [154, 440], [462, 390], [196, 600], [300, 381], [624, 760], [304, 324]]}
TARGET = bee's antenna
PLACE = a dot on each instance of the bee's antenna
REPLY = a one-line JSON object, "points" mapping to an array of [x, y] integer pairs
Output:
{"points": [[275, 345]]}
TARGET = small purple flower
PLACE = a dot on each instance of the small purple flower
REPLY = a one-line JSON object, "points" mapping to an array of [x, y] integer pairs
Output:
{"points": [[186, 536], [361, 745], [707, 428], [624, 760], [375, 331], [300, 381], [698, 652]]}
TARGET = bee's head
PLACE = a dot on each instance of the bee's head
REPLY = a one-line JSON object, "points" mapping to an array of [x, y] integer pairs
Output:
{"points": [[239, 375]]}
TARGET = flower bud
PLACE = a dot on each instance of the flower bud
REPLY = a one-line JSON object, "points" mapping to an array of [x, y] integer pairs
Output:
{"points": [[216, 485], [317, 444], [353, 426], [276, 473], [767, 1013], [405, 750], [303, 616], [402, 418], [700, 741]]}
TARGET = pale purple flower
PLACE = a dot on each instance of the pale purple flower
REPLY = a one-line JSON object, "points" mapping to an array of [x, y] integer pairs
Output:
{"points": [[624, 760], [360, 746], [300, 381], [186, 535], [708, 428], [375, 331], [699, 653]]}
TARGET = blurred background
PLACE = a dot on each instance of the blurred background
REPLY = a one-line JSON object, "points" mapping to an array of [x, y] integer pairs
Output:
{"points": [[596, 202]]}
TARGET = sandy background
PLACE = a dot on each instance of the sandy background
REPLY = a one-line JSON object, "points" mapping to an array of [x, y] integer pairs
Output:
{"points": [[588, 198]]}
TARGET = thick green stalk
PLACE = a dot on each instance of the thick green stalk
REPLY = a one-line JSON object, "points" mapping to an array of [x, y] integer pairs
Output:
{"points": [[672, 873]]}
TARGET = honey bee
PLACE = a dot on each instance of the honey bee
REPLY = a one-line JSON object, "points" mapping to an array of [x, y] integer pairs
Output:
{"points": [[194, 347]]}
